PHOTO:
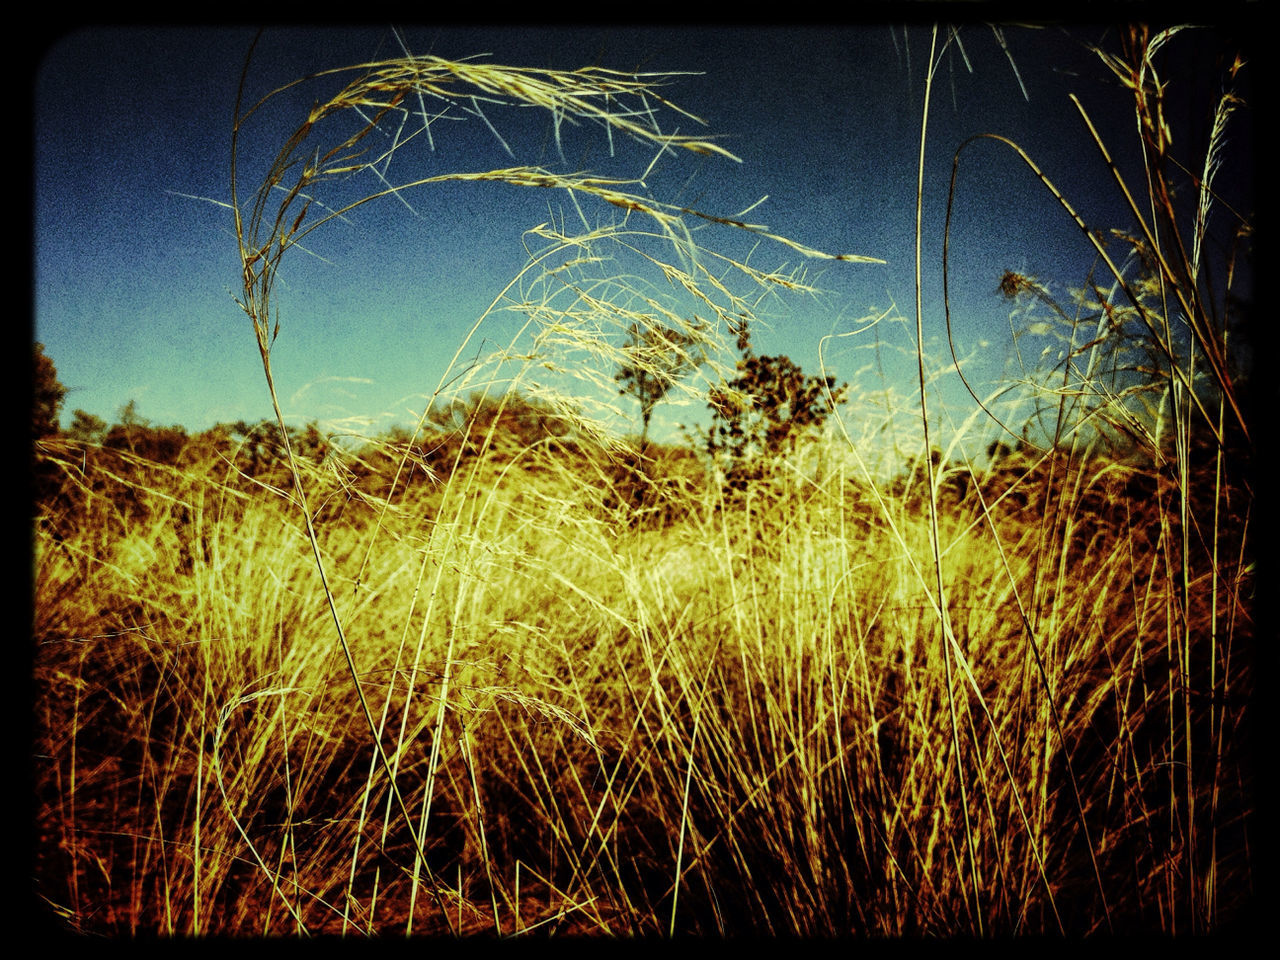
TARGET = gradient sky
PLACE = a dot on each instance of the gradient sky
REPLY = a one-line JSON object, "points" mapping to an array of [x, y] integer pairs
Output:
{"points": [[134, 279]]}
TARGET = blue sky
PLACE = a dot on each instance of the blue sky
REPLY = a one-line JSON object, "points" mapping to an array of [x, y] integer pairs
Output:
{"points": [[134, 279]]}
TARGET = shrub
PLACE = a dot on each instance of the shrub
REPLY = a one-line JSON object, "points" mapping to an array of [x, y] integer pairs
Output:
{"points": [[765, 412]]}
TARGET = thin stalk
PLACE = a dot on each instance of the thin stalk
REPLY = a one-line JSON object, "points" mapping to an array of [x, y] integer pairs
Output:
{"points": [[313, 540], [1194, 317], [465, 742], [945, 621]]}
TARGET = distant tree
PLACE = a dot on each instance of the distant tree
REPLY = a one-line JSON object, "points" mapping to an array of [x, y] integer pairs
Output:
{"points": [[128, 430], [259, 447], [139, 437], [48, 394], [309, 442], [764, 412], [657, 358], [513, 420], [129, 416], [86, 428]]}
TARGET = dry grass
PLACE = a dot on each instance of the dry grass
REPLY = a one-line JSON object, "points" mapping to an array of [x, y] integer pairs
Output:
{"points": [[750, 699], [346, 698]]}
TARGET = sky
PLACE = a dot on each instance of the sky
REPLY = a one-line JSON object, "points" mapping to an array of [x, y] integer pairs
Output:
{"points": [[136, 267]]}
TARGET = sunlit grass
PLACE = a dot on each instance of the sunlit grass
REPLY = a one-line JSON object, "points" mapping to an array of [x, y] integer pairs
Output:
{"points": [[752, 696]]}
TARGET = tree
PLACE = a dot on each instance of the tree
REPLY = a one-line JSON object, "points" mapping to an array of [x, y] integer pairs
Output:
{"points": [[657, 357], [764, 412], [127, 432], [47, 396], [512, 421], [135, 433], [86, 428]]}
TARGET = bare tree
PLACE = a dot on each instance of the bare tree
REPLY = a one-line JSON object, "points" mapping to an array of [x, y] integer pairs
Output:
{"points": [[657, 358]]}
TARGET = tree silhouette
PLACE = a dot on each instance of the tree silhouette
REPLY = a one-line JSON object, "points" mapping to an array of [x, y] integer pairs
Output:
{"points": [[764, 412], [47, 395], [510, 422], [657, 358], [86, 428]]}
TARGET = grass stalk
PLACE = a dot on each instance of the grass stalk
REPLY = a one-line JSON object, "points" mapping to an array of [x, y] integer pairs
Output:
{"points": [[944, 621]]}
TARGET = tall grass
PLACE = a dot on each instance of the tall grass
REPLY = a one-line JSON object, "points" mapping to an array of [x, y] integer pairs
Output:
{"points": [[471, 681]]}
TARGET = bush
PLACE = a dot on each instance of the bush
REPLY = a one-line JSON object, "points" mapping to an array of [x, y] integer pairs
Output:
{"points": [[764, 413]]}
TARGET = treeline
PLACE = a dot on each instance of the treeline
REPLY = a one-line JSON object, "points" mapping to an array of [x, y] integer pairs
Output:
{"points": [[762, 415]]}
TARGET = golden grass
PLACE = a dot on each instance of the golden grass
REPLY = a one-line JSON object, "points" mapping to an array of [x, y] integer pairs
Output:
{"points": [[746, 708]]}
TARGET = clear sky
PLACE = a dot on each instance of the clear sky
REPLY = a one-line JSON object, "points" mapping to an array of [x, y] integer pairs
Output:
{"points": [[134, 279]]}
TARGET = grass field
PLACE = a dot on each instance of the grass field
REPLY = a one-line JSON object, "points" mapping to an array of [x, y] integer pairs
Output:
{"points": [[510, 674], [738, 721]]}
